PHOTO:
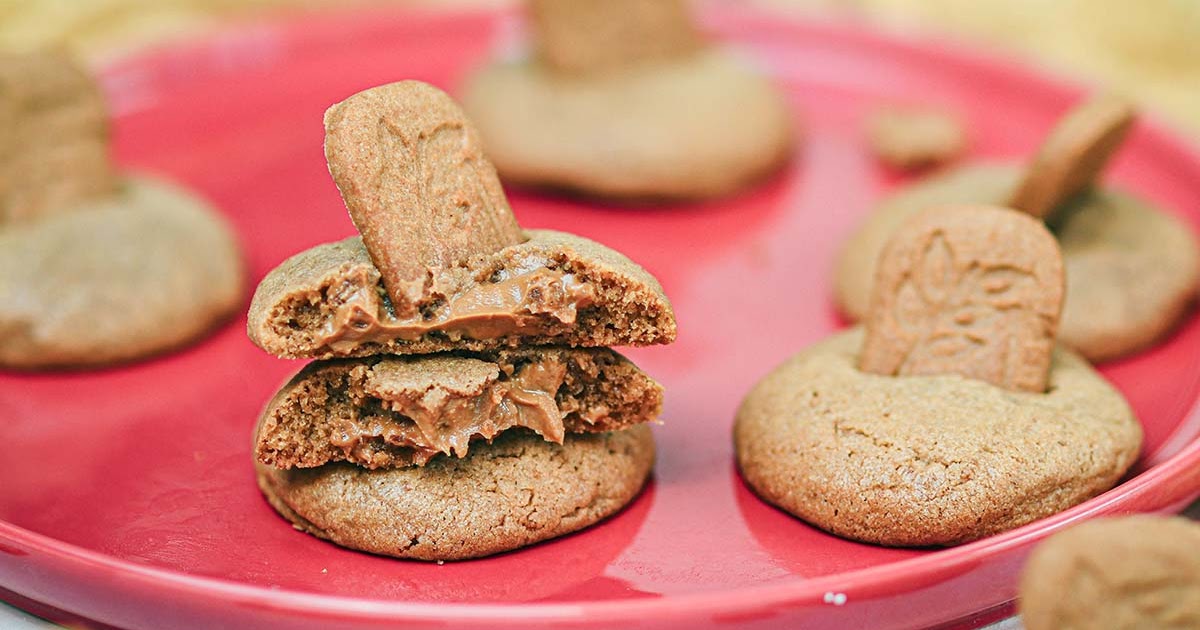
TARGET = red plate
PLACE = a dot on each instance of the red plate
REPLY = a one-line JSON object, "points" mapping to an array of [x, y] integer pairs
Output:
{"points": [[128, 496]]}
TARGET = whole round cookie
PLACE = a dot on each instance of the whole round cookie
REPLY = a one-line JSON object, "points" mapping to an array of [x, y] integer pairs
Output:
{"points": [[697, 126], [144, 271], [1125, 573], [928, 460], [1132, 269], [517, 491]]}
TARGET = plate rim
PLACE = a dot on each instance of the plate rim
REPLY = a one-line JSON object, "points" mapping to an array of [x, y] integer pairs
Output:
{"points": [[59, 557]]}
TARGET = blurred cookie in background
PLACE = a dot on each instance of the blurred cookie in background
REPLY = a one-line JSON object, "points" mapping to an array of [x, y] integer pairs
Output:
{"points": [[96, 266]]}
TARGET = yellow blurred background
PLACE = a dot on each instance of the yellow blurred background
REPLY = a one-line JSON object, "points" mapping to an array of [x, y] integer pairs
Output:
{"points": [[1149, 50]]}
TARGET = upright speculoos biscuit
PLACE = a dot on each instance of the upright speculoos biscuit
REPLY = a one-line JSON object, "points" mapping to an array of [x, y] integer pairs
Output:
{"points": [[54, 153], [329, 302], [1132, 269], [1118, 573], [928, 460], [411, 170], [518, 491], [623, 100], [975, 291], [386, 412]]}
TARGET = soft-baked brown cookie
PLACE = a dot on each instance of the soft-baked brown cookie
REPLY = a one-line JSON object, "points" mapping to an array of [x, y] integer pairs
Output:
{"points": [[517, 491], [53, 138], [1124, 573], [912, 139], [553, 289], [136, 273], [691, 126], [928, 460], [1132, 269], [384, 412], [585, 36], [968, 290]]}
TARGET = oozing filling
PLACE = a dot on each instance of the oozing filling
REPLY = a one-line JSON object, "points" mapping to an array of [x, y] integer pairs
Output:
{"points": [[525, 301], [434, 419]]}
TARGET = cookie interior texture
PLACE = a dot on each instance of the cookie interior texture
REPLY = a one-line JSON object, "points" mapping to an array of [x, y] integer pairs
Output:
{"points": [[514, 492], [553, 289], [139, 273], [701, 125], [1124, 573], [384, 412], [928, 460], [1132, 269]]}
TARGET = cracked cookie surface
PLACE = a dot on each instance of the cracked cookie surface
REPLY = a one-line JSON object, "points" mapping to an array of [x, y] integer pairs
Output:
{"points": [[928, 460], [518, 491]]}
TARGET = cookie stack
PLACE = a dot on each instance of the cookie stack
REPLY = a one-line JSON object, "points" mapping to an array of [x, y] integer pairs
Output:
{"points": [[463, 401]]}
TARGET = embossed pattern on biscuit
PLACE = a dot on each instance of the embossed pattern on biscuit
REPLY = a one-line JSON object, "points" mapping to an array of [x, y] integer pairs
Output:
{"points": [[1072, 157], [969, 290], [581, 36], [54, 136], [412, 173]]}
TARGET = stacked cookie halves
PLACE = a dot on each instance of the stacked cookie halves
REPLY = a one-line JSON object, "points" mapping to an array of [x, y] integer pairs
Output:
{"points": [[464, 401]]}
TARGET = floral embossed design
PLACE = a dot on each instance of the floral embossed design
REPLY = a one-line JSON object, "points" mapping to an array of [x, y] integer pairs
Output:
{"points": [[955, 304]]}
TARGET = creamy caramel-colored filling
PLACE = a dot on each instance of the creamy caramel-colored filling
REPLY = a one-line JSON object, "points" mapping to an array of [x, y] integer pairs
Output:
{"points": [[445, 421], [523, 301]]}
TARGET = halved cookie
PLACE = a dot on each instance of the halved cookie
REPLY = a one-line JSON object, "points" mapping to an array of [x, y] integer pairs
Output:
{"points": [[385, 412], [553, 289], [517, 491]]}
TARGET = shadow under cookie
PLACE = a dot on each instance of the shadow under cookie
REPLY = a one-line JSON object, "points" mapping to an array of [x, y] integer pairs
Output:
{"points": [[700, 125], [517, 491], [1132, 269], [144, 271], [928, 460]]}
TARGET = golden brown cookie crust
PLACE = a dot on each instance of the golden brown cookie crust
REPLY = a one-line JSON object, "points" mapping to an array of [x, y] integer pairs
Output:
{"points": [[334, 410], [141, 272], [928, 460], [1132, 269], [579, 37], [296, 301], [518, 491], [1123, 573], [693, 127]]}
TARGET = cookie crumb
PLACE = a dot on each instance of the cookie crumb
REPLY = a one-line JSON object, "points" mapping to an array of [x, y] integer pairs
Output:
{"points": [[911, 139]]}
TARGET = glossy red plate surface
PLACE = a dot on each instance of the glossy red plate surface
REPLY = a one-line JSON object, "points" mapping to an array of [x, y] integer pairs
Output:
{"points": [[127, 496]]}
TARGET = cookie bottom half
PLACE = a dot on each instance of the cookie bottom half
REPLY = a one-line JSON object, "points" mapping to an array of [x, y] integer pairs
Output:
{"points": [[928, 460], [515, 492]]}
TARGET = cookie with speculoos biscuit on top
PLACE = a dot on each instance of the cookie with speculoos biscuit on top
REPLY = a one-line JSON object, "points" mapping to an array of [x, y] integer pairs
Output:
{"points": [[97, 266], [952, 415], [455, 353], [1133, 269], [627, 100]]}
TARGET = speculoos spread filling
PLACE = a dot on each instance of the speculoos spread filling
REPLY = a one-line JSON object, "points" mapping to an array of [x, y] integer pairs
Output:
{"points": [[531, 300], [444, 420]]}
